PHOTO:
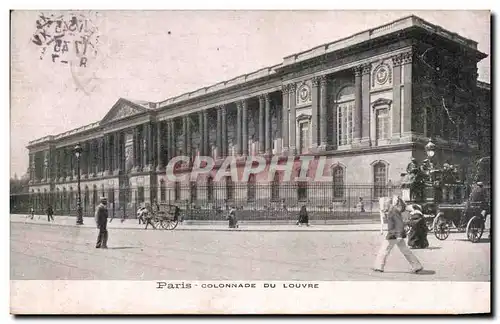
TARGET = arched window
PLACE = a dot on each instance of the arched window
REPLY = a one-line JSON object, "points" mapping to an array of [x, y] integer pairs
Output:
{"points": [[345, 109], [379, 179], [210, 189], [338, 182], [163, 193], [251, 188]]}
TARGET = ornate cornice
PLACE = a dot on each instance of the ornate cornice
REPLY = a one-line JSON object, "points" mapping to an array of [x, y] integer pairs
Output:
{"points": [[407, 57], [382, 102], [366, 68]]}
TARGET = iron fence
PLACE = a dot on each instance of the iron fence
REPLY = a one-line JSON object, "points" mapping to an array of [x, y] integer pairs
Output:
{"points": [[257, 201]]}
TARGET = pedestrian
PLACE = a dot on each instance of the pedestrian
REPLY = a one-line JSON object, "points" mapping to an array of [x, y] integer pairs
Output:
{"points": [[50, 213], [32, 212], [101, 218], [360, 205], [147, 218], [303, 216], [140, 215], [417, 237], [233, 220], [396, 236]]}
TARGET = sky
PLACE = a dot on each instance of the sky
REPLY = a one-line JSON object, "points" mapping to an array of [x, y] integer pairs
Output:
{"points": [[155, 55]]}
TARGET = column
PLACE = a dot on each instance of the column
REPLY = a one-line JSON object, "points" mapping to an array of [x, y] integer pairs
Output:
{"points": [[89, 157], [107, 160], [285, 89], [219, 132], [117, 152], [173, 145], [136, 148], [365, 101], [201, 130], [205, 132], [184, 135], [103, 154], [239, 131], [149, 145], [293, 119], [396, 102], [159, 146], [189, 151], [314, 113], [168, 142], [323, 82], [358, 107], [244, 127], [267, 131], [407, 59], [262, 103], [224, 132]]}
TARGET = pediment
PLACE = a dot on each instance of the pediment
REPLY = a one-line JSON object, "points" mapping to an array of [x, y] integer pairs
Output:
{"points": [[122, 109], [381, 102], [303, 117]]}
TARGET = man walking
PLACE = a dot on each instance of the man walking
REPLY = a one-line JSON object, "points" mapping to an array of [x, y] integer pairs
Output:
{"points": [[101, 217], [50, 213], [396, 236]]}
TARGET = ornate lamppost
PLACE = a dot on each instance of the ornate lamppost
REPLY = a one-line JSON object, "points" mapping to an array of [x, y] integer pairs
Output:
{"points": [[79, 216]]}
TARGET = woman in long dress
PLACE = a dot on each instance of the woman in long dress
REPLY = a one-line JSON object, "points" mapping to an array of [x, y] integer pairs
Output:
{"points": [[417, 237]]}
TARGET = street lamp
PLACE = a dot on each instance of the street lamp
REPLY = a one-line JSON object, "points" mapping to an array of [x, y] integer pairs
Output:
{"points": [[79, 216]]}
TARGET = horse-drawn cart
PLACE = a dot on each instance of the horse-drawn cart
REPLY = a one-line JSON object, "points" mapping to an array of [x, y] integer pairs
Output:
{"points": [[166, 216]]}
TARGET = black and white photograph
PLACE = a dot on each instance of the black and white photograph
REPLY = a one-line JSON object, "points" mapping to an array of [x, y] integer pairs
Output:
{"points": [[250, 161]]}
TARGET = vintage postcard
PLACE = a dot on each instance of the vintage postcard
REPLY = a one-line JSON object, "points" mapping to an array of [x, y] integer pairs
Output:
{"points": [[250, 162]]}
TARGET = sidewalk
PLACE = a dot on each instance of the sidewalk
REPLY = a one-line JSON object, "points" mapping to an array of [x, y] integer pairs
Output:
{"points": [[246, 226]]}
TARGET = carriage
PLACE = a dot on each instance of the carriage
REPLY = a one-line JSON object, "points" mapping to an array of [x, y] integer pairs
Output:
{"points": [[164, 216], [476, 213]]}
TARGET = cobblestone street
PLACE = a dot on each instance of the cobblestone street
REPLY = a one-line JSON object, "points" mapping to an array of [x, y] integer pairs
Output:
{"points": [[50, 252]]}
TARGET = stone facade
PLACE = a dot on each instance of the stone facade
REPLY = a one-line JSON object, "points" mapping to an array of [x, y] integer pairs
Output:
{"points": [[369, 102]]}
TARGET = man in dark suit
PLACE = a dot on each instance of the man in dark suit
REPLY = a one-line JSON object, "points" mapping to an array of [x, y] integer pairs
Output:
{"points": [[101, 218], [475, 205]]}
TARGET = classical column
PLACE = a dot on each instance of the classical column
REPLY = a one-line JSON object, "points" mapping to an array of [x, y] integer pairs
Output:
{"points": [[267, 124], [205, 132], [262, 103], [107, 159], [184, 136], [358, 107], [293, 119], [173, 142], [244, 126], [103, 154], [315, 113], [407, 60], [285, 89], [137, 156], [116, 153], [168, 138], [224, 131], [188, 137], [365, 101], [323, 82], [149, 145], [239, 131], [219, 133], [202, 133], [396, 102], [159, 146]]}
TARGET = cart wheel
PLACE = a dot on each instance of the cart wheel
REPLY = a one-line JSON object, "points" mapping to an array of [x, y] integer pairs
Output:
{"points": [[441, 228], [169, 224], [475, 229], [157, 222]]}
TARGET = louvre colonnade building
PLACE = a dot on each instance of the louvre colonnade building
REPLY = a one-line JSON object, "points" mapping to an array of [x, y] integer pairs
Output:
{"points": [[369, 102]]}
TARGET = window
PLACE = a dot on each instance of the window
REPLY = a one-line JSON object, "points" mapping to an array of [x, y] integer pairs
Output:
{"points": [[140, 194], [304, 137], [275, 189], [382, 124], [210, 189], [379, 179], [177, 191], [338, 182], [302, 191], [193, 191], [251, 189], [229, 189], [163, 194], [345, 108]]}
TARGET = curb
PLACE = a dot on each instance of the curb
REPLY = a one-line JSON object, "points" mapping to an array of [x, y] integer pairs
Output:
{"points": [[214, 229]]}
